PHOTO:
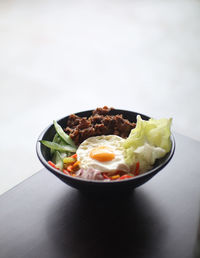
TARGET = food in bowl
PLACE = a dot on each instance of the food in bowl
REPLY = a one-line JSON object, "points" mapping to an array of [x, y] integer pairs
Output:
{"points": [[108, 147]]}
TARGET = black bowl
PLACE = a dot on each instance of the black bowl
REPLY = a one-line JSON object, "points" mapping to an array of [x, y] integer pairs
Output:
{"points": [[97, 185]]}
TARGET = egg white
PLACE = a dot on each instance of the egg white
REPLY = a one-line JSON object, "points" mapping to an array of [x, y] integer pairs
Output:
{"points": [[111, 141]]}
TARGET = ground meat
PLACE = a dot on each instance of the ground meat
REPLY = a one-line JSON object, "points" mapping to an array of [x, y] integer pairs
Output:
{"points": [[102, 111], [99, 123]]}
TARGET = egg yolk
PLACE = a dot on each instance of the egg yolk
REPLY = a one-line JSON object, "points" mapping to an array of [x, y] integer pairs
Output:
{"points": [[102, 154]]}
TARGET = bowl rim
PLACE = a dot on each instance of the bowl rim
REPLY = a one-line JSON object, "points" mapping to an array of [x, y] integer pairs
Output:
{"points": [[94, 181]]}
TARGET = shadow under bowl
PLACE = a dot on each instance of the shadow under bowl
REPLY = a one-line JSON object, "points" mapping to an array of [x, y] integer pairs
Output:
{"points": [[97, 186]]}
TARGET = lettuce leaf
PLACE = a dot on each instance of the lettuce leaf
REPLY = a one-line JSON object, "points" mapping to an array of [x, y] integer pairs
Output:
{"points": [[148, 141]]}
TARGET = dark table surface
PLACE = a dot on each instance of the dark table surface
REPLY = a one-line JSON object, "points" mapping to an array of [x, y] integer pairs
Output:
{"points": [[43, 217]]}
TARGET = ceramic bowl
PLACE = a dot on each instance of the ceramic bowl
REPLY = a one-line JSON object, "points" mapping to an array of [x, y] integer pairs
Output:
{"points": [[97, 185]]}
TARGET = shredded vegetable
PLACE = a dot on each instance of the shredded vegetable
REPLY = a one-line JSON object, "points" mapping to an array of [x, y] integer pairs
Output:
{"points": [[56, 146], [63, 135]]}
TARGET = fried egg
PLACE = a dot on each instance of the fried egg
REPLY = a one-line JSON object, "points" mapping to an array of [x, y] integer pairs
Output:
{"points": [[103, 153]]}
